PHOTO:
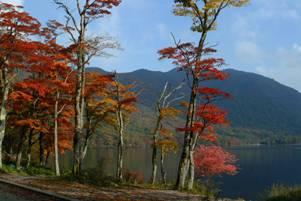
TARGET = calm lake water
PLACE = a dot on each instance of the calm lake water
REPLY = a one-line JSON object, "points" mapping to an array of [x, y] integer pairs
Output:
{"points": [[260, 167]]}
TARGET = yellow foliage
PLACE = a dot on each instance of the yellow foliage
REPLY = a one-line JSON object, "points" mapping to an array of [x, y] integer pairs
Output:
{"points": [[169, 112], [168, 146], [204, 13]]}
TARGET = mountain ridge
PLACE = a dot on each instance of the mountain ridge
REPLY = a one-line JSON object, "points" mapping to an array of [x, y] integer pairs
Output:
{"points": [[259, 103]]}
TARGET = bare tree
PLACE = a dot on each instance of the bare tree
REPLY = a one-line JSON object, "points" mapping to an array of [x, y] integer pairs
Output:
{"points": [[164, 103]]}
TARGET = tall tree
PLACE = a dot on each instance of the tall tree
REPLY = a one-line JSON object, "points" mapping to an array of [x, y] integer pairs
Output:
{"points": [[122, 101], [16, 28], [96, 110], [79, 15], [204, 14]]}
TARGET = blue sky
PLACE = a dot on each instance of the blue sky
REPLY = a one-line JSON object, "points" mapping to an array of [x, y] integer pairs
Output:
{"points": [[263, 37]]}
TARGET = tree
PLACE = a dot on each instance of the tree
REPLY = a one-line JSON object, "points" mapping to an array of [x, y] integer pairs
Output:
{"points": [[185, 56], [166, 145], [16, 28], [164, 110], [192, 59], [121, 102], [212, 161], [48, 91], [96, 109], [79, 15]]}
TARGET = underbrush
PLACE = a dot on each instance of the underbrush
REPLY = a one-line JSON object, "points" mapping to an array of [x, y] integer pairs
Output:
{"points": [[284, 193], [30, 171]]}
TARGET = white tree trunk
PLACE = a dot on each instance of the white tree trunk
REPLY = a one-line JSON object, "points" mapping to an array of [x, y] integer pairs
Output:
{"points": [[3, 112], [56, 146]]}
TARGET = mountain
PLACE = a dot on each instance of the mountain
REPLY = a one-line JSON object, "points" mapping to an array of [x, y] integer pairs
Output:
{"points": [[260, 106]]}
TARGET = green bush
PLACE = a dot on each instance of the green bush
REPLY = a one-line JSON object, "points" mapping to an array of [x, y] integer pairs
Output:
{"points": [[284, 193], [38, 170]]}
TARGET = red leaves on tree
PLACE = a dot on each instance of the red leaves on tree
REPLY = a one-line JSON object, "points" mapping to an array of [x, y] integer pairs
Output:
{"points": [[186, 57], [198, 65], [211, 114], [99, 8], [212, 93], [214, 160]]}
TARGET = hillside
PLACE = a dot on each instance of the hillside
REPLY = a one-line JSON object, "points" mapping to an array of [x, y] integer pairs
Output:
{"points": [[260, 106]]}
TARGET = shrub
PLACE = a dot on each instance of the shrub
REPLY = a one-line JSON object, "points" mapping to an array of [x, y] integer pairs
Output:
{"points": [[284, 193], [133, 177]]}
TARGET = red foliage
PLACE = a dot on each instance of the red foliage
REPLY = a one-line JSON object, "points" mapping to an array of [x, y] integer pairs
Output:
{"points": [[186, 57], [214, 160]]}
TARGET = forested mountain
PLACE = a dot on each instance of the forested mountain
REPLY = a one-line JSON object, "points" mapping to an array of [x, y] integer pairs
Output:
{"points": [[259, 105]]}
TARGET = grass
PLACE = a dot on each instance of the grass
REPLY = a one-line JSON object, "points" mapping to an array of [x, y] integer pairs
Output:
{"points": [[31, 171], [284, 193]]}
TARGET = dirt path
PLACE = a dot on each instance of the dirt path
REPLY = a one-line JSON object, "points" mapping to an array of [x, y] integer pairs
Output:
{"points": [[91, 193]]}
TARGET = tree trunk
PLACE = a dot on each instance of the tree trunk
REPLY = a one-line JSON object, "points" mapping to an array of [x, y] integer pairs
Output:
{"points": [[20, 148], [163, 172], [184, 161], [191, 161], [154, 163], [79, 100], [29, 148], [191, 171], [84, 148], [47, 157], [56, 146], [155, 151], [78, 130], [120, 146], [3, 112], [41, 149], [185, 157]]}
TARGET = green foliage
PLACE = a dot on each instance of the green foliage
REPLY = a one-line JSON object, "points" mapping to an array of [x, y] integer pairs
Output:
{"points": [[209, 191], [284, 193], [38, 170], [10, 169], [94, 176], [32, 170]]}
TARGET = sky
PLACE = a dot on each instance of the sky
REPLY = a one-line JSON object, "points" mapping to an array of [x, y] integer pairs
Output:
{"points": [[263, 37]]}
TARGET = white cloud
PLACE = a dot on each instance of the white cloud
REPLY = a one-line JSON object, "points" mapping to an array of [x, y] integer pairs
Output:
{"points": [[283, 9], [248, 51], [285, 66], [297, 47], [255, 45], [14, 2], [163, 31]]}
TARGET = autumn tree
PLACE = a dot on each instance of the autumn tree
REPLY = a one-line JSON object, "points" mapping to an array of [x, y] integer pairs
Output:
{"points": [[79, 15], [166, 145], [43, 93], [29, 114], [122, 101], [164, 111], [192, 59], [16, 29], [97, 112], [60, 83], [213, 161]]}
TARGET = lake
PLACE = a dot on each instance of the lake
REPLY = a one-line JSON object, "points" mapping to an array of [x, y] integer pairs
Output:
{"points": [[260, 167]]}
